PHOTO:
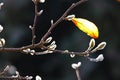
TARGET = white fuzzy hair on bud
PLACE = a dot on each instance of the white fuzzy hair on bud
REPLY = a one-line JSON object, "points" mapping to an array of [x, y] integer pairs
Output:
{"points": [[72, 55], [1, 28], [32, 52], [29, 77], [99, 58], [91, 44], [1, 4], [75, 66], [27, 50], [48, 39], [53, 43], [40, 12], [38, 78], [30, 26], [41, 1], [69, 17], [2, 42], [47, 51], [52, 22], [53, 47], [101, 46]]}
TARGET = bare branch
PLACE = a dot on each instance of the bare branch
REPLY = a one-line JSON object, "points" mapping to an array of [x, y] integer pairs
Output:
{"points": [[35, 21], [77, 74], [14, 78], [40, 44], [60, 19], [76, 53]]}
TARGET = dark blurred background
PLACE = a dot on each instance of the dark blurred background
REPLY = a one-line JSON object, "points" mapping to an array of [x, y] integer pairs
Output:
{"points": [[17, 15]]}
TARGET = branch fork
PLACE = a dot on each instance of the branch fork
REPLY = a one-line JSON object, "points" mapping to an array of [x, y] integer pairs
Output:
{"points": [[48, 45]]}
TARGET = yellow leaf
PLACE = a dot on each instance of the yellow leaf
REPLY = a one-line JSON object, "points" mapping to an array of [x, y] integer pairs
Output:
{"points": [[86, 26]]}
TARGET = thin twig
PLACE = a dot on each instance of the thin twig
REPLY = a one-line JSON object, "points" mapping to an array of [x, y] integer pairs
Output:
{"points": [[19, 49], [40, 44], [14, 78], [60, 19], [76, 53], [34, 24], [77, 73]]}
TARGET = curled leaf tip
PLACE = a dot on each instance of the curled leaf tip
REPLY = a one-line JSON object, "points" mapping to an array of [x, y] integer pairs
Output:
{"points": [[86, 26]]}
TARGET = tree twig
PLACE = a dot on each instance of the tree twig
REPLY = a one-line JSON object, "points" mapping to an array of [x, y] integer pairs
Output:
{"points": [[34, 24], [14, 78], [85, 53], [35, 21], [40, 44], [60, 19], [77, 74]]}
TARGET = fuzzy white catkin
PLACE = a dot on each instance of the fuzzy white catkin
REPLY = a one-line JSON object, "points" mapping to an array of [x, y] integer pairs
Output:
{"points": [[75, 66], [101, 46], [1, 28], [100, 58], [1, 4], [38, 78], [53, 43], [92, 43], [48, 40], [72, 55], [41, 1], [69, 17], [27, 50], [2, 42], [53, 47]]}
